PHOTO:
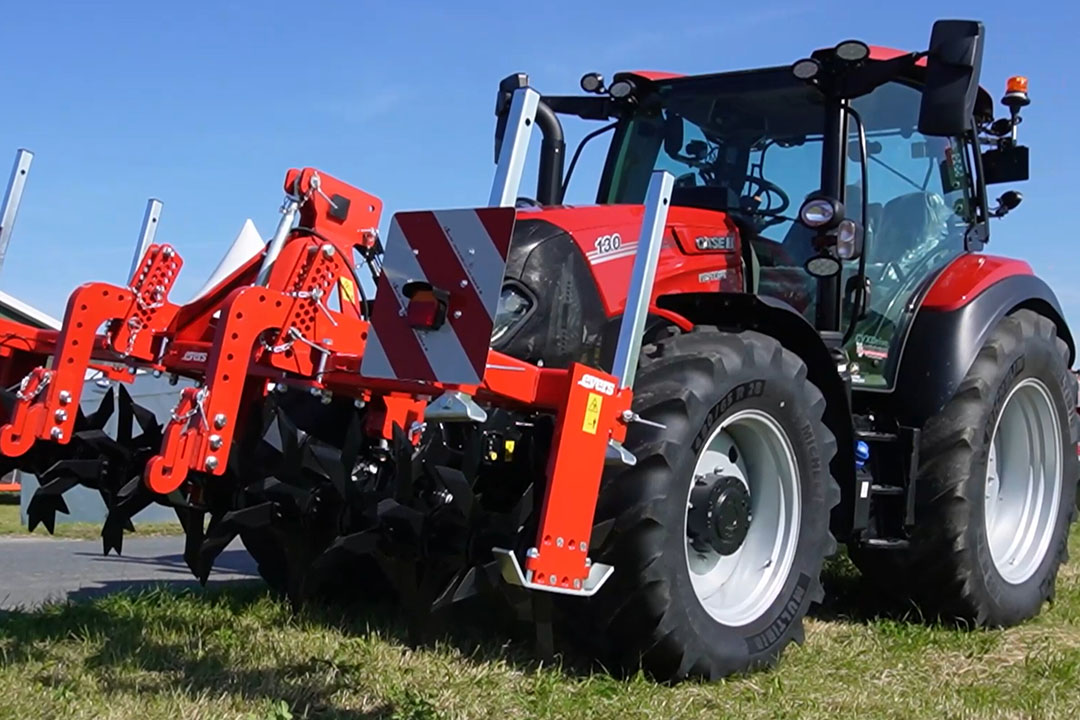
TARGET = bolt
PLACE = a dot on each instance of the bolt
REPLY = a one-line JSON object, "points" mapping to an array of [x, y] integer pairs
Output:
{"points": [[61, 416], [359, 404], [65, 397], [167, 252], [402, 312], [57, 434], [457, 314], [588, 563], [328, 341], [215, 442], [464, 283], [577, 584], [328, 251], [315, 392], [532, 553], [472, 251], [558, 542], [157, 373], [327, 398], [627, 416], [211, 462], [415, 251], [173, 378], [219, 420], [584, 546], [553, 579]]}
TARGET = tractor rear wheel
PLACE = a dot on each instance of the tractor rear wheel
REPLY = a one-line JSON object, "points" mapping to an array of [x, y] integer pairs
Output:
{"points": [[719, 532], [996, 488]]}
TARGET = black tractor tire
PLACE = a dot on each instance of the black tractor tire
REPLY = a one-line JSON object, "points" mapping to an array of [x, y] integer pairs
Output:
{"points": [[647, 615], [948, 571]]}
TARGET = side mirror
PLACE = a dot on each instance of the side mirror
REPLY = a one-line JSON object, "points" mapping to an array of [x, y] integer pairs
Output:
{"points": [[953, 63], [507, 86], [1009, 201], [1008, 163]]}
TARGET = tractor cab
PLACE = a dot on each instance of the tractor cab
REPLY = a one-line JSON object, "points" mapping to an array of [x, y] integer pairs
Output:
{"points": [[853, 176]]}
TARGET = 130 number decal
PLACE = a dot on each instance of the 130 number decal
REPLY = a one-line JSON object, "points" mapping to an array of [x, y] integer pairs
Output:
{"points": [[608, 243]]}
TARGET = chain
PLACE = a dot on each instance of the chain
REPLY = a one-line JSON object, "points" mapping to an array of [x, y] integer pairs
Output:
{"points": [[200, 397], [136, 324], [22, 394]]}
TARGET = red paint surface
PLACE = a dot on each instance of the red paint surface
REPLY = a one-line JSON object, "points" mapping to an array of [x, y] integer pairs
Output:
{"points": [[968, 276]]}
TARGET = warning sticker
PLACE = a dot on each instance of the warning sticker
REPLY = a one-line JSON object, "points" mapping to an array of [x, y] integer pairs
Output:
{"points": [[348, 290], [592, 413]]}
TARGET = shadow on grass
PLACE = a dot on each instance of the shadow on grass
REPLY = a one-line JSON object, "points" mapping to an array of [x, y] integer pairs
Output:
{"points": [[128, 629]]}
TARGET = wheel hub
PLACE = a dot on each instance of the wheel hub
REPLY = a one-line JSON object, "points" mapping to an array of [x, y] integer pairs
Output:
{"points": [[719, 515]]}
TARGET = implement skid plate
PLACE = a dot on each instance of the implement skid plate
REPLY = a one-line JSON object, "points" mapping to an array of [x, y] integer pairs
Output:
{"points": [[455, 260]]}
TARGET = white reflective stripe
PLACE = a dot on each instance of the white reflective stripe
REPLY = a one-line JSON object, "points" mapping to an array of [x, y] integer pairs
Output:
{"points": [[399, 262], [618, 254], [375, 363], [484, 265]]}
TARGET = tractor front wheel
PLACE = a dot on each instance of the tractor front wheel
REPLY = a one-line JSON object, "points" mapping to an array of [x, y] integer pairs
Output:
{"points": [[719, 532]]}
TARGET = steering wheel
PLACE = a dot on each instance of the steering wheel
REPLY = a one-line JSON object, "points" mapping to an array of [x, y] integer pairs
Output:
{"points": [[768, 187]]}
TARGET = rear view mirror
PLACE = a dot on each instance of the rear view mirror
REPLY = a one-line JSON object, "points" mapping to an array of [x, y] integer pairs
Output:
{"points": [[952, 77], [1005, 164]]}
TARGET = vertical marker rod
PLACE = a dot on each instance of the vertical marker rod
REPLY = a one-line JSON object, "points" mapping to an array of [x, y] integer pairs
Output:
{"points": [[12, 198], [642, 276], [146, 234], [519, 125]]}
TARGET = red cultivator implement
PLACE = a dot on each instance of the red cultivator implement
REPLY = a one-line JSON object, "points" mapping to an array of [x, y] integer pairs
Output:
{"points": [[668, 406]]}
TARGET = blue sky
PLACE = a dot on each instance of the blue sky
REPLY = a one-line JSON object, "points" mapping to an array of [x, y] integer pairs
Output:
{"points": [[207, 104]]}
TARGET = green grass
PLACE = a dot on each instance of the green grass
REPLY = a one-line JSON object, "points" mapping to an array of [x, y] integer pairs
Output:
{"points": [[10, 525], [238, 653]]}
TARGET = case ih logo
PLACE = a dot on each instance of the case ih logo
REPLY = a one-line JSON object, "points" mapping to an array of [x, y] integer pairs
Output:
{"points": [[591, 382], [194, 356]]}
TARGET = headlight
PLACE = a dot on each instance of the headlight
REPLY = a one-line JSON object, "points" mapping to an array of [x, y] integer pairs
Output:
{"points": [[513, 307], [848, 240], [818, 212]]}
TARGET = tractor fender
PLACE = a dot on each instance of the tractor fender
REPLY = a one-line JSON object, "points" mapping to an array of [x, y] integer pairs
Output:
{"points": [[952, 323], [777, 319]]}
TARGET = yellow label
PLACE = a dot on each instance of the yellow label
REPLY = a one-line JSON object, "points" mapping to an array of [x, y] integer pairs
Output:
{"points": [[348, 290], [592, 413], [509, 445]]}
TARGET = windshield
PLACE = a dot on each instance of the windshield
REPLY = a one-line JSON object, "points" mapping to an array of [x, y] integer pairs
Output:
{"points": [[746, 143]]}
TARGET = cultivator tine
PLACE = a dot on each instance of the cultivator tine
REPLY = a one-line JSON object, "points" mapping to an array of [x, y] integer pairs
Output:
{"points": [[57, 480], [97, 419], [117, 521], [193, 521], [224, 530]]}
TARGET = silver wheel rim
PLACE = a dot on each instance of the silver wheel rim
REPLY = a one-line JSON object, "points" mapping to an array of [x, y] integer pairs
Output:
{"points": [[737, 589], [1023, 481]]}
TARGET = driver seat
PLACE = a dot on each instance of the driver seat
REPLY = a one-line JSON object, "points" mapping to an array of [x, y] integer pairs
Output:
{"points": [[907, 222]]}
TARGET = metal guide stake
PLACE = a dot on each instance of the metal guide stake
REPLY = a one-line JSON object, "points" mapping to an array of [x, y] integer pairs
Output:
{"points": [[519, 125], [12, 198], [146, 233], [657, 202]]}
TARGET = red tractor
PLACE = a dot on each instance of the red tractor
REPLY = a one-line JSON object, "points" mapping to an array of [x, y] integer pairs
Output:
{"points": [[774, 331]]}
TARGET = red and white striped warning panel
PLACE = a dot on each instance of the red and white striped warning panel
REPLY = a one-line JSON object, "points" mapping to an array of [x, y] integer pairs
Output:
{"points": [[436, 299]]}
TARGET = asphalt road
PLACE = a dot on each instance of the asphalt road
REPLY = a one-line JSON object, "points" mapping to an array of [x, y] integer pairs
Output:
{"points": [[35, 570]]}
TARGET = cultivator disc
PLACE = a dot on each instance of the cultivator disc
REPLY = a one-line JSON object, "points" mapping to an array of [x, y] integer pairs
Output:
{"points": [[318, 506], [111, 465]]}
